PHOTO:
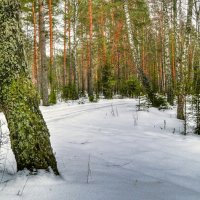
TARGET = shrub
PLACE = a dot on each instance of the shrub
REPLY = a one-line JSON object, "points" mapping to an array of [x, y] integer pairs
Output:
{"points": [[69, 92], [130, 87], [52, 97], [107, 86]]}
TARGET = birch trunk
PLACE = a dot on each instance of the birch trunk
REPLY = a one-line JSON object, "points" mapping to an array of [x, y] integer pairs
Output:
{"points": [[136, 57], [184, 65], [167, 64]]}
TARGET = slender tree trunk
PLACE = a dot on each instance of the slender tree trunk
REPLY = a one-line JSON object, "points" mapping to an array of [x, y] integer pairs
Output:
{"points": [[18, 98], [69, 41], [75, 47], [90, 69], [82, 73], [180, 107], [182, 78], [102, 29], [174, 45], [35, 59], [88, 64], [52, 98], [51, 35], [196, 83], [44, 67], [65, 47], [169, 88], [187, 57]]}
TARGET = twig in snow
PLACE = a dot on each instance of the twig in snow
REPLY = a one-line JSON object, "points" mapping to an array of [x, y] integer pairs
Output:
{"points": [[118, 165], [89, 172], [165, 123], [112, 111], [21, 192], [135, 121], [117, 111]]}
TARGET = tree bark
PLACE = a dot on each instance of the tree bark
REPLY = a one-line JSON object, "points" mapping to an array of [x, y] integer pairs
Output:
{"points": [[90, 68], [182, 86], [65, 46], [29, 135], [180, 107], [196, 78], [52, 96], [69, 42], [75, 4], [35, 59], [167, 64], [44, 67]]}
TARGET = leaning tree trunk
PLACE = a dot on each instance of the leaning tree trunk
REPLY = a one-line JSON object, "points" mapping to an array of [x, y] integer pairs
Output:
{"points": [[18, 98], [146, 83]]}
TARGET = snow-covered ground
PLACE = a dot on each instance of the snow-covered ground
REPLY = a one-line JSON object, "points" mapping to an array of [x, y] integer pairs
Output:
{"points": [[109, 151]]}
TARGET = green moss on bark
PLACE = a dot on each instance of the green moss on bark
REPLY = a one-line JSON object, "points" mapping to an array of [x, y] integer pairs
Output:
{"points": [[18, 98], [28, 132]]}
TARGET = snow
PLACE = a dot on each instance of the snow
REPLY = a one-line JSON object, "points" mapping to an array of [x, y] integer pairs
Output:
{"points": [[122, 154]]}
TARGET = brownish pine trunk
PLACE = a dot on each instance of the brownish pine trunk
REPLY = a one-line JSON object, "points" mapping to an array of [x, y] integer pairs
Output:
{"points": [[90, 68]]}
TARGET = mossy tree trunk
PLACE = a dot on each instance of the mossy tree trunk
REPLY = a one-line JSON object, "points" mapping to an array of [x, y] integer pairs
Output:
{"points": [[18, 98]]}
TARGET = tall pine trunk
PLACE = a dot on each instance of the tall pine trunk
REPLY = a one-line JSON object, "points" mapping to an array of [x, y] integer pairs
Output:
{"points": [[65, 46], [35, 59], [90, 68], [69, 42], [18, 98], [52, 98], [75, 4], [43, 64]]}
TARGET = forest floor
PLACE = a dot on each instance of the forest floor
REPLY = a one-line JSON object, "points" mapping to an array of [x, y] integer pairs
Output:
{"points": [[110, 151]]}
